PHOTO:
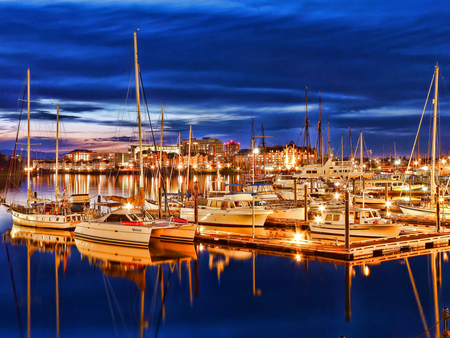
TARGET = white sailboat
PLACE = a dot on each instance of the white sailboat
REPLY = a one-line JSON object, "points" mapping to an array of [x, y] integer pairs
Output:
{"points": [[429, 210], [129, 224], [43, 213]]}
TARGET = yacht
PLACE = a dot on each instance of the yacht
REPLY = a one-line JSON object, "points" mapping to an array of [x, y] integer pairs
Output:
{"points": [[233, 213]]}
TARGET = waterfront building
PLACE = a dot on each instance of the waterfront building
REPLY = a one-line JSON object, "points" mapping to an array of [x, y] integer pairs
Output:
{"points": [[230, 149], [207, 146]]}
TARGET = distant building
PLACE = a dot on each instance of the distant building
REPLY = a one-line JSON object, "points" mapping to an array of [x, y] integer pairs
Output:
{"points": [[207, 146], [230, 149]]}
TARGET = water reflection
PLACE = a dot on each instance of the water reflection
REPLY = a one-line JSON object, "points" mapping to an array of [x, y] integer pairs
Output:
{"points": [[52, 285]]}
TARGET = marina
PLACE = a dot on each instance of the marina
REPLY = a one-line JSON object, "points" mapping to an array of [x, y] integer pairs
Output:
{"points": [[224, 169]]}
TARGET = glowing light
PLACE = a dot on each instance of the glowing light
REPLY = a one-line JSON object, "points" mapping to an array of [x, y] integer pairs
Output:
{"points": [[321, 208], [318, 219], [424, 188], [336, 195], [128, 206], [388, 214], [366, 271], [298, 258], [256, 151], [388, 204], [297, 237]]}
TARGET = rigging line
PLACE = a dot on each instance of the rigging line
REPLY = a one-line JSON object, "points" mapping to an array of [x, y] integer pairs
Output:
{"points": [[19, 321], [420, 123], [110, 305], [429, 329], [153, 136], [11, 163]]}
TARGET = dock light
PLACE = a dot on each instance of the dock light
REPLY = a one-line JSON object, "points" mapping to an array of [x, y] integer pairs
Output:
{"points": [[424, 188], [297, 237], [397, 162], [388, 204], [406, 188], [336, 195], [318, 219], [441, 200], [388, 214], [128, 206], [202, 229], [298, 257], [443, 161], [425, 168], [321, 208]]}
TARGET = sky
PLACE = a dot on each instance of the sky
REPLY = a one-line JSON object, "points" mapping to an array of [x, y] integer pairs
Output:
{"points": [[217, 65]]}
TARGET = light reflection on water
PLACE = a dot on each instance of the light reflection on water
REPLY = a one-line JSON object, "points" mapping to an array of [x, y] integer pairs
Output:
{"points": [[207, 291]]}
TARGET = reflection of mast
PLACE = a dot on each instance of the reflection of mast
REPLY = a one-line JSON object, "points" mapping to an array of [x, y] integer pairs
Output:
{"points": [[422, 315], [434, 272]]}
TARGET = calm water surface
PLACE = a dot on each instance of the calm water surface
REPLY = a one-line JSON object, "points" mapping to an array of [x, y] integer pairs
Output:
{"points": [[52, 285]]}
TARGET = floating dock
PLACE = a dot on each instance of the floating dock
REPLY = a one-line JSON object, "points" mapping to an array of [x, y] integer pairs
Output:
{"points": [[362, 250]]}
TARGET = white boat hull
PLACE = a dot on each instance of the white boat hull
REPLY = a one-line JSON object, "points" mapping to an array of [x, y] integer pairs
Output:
{"points": [[62, 222], [287, 214], [414, 211], [234, 221], [358, 230]]}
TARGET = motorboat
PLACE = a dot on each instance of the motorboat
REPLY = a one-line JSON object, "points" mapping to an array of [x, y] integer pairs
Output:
{"points": [[233, 213], [129, 224], [364, 223]]}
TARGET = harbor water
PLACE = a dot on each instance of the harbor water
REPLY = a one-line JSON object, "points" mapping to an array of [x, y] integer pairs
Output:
{"points": [[55, 286]]}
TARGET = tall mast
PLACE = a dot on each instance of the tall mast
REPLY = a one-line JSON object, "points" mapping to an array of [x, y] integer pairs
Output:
{"points": [[361, 163], [138, 103], [306, 137], [29, 133], [433, 147], [319, 134], [189, 158], [329, 146], [57, 148], [264, 150], [160, 148], [351, 141]]}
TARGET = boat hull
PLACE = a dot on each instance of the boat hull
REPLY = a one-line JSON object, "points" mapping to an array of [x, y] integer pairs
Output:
{"points": [[114, 233], [412, 211], [362, 231], [46, 221], [234, 221], [287, 214]]}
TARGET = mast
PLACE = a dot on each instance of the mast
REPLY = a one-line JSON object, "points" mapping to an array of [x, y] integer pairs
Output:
{"points": [[138, 103], [306, 137], [57, 150], [351, 141], [319, 134], [189, 158], [160, 148], [433, 146], [264, 150], [361, 163], [29, 135], [329, 146]]}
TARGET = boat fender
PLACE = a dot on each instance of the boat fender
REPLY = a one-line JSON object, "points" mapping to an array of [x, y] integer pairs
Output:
{"points": [[132, 223]]}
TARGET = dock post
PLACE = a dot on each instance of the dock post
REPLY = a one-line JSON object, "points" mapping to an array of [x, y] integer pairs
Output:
{"points": [[354, 191], [438, 214], [295, 192], [347, 221], [306, 203], [196, 202], [311, 181], [386, 195], [445, 317]]}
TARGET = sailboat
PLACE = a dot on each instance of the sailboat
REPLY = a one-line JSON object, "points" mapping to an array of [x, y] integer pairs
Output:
{"points": [[429, 210], [127, 222], [43, 213]]}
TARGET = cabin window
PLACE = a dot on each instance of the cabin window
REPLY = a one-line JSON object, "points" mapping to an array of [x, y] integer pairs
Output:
{"points": [[336, 218], [134, 217], [367, 214], [214, 204], [224, 206], [68, 218], [116, 218], [57, 219], [328, 217]]}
